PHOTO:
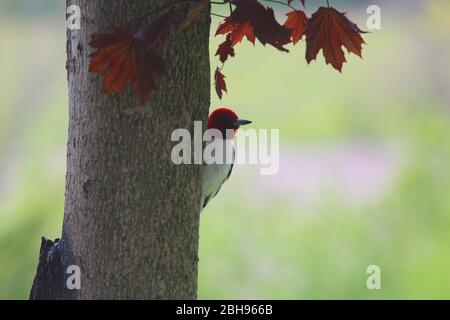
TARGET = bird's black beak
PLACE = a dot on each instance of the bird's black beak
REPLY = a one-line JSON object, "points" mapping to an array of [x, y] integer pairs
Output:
{"points": [[241, 122]]}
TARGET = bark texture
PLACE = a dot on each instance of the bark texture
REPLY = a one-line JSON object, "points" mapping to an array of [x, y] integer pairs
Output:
{"points": [[131, 219]]}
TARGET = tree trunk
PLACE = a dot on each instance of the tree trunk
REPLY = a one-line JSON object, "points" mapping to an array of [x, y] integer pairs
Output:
{"points": [[131, 217]]}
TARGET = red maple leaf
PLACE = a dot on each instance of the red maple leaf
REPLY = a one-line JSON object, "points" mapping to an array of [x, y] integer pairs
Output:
{"points": [[237, 31], [220, 83], [260, 20], [329, 30], [296, 24], [225, 49], [160, 32], [123, 58], [115, 59], [149, 65]]}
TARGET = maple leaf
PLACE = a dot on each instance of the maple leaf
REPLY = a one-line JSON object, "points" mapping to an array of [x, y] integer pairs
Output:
{"points": [[296, 24], [329, 30], [123, 57], [115, 51], [225, 49], [149, 65], [194, 12], [220, 83], [160, 32], [258, 18], [237, 31], [120, 58]]}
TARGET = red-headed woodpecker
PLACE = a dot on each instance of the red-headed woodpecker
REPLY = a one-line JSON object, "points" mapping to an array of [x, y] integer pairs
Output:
{"points": [[215, 174]]}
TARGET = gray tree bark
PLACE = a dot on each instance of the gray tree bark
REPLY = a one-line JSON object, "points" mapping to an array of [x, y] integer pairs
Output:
{"points": [[131, 217]]}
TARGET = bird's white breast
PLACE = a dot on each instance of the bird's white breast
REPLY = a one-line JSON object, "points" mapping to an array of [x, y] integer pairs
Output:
{"points": [[215, 174]]}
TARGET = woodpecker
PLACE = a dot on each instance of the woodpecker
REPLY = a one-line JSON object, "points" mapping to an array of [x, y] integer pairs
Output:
{"points": [[215, 174]]}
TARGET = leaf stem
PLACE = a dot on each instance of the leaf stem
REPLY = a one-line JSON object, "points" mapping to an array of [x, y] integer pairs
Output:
{"points": [[283, 3], [218, 15]]}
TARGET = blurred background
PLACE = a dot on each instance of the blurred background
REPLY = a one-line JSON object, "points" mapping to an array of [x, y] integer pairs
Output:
{"points": [[364, 166]]}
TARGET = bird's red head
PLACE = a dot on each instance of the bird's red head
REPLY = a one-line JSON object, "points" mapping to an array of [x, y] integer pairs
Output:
{"points": [[223, 119]]}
